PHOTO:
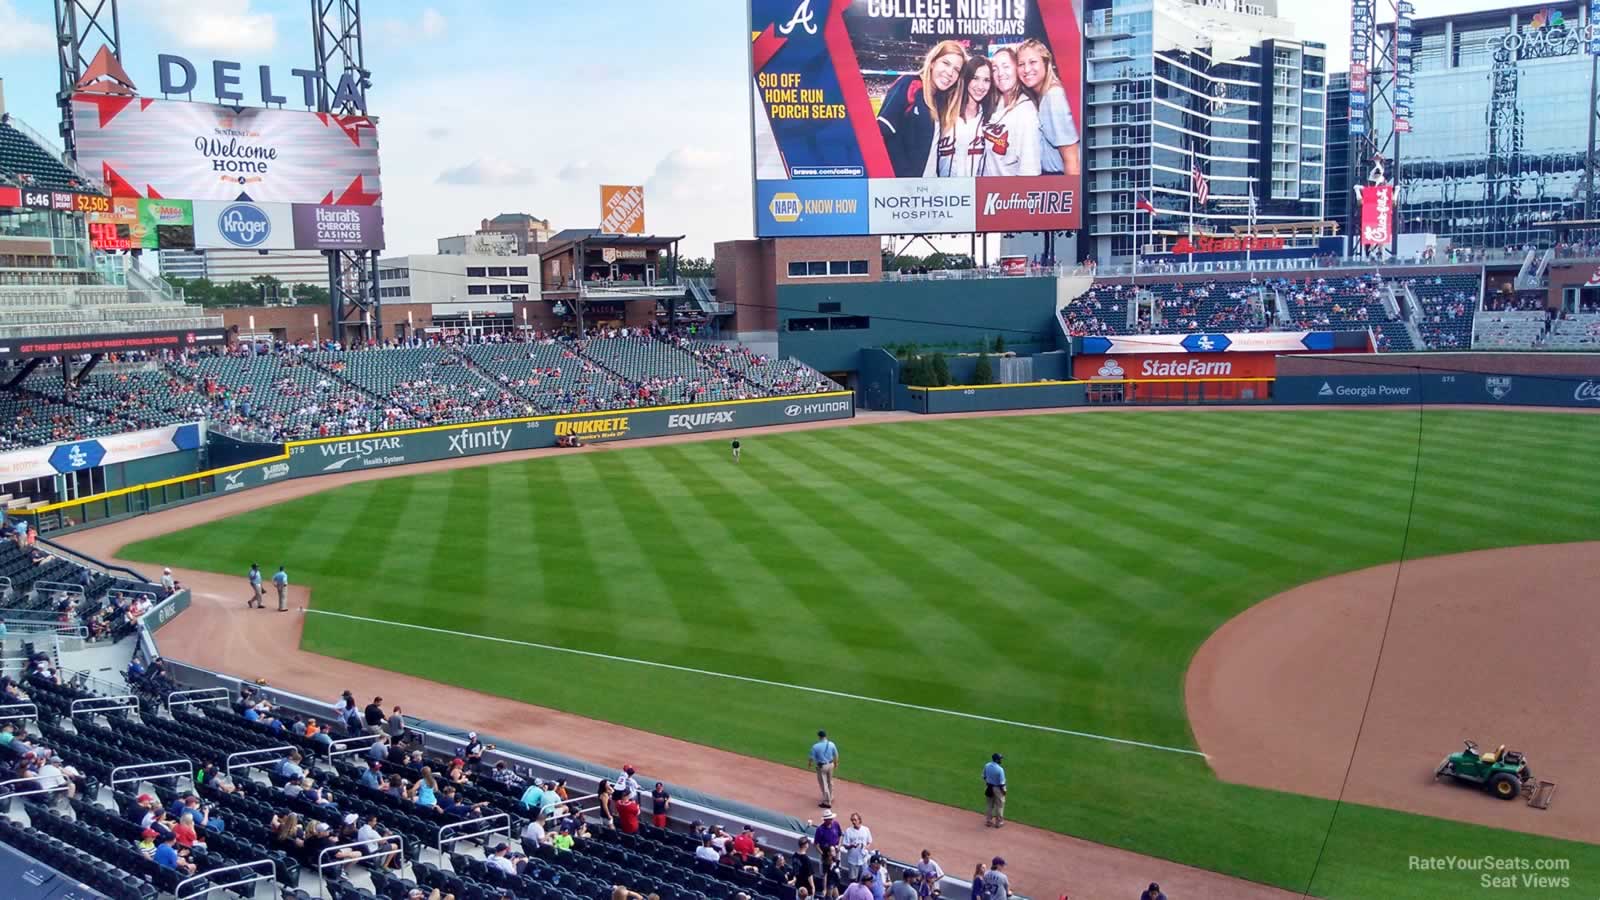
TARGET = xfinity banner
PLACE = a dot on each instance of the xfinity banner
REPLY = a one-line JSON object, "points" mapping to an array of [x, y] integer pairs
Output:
{"points": [[353, 454]]}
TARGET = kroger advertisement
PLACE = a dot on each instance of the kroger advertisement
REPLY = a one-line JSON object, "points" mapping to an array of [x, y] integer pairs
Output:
{"points": [[195, 151], [959, 115]]}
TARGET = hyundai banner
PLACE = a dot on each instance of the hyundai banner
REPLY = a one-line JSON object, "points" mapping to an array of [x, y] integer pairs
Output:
{"points": [[890, 90], [196, 151], [243, 226]]}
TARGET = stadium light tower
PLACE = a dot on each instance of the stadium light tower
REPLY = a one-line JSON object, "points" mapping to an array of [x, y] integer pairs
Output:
{"points": [[353, 294], [81, 23]]}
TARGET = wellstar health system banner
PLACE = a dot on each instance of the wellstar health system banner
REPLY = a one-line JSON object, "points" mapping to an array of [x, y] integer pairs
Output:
{"points": [[916, 116]]}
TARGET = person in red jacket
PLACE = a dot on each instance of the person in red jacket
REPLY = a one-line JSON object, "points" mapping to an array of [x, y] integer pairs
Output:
{"points": [[744, 843], [628, 815]]}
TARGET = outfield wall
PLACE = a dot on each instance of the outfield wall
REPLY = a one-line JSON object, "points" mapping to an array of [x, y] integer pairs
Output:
{"points": [[303, 459], [978, 398], [1499, 379]]}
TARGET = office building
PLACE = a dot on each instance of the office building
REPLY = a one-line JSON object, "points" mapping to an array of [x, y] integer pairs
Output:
{"points": [[230, 266], [455, 284], [1219, 85], [1338, 196], [1499, 137]]}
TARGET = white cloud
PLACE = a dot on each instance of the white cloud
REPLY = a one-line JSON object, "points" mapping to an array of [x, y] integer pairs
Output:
{"points": [[18, 34], [581, 170], [430, 26], [488, 171], [218, 25]]}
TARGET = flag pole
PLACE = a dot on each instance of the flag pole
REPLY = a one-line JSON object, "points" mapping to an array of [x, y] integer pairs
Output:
{"points": [[1193, 186], [1250, 232]]}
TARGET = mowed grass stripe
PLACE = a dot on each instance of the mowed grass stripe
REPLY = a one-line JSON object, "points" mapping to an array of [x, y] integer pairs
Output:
{"points": [[920, 521]]}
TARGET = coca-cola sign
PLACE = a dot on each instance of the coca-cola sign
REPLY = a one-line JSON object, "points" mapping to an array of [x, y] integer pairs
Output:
{"points": [[1588, 392], [1377, 215]]}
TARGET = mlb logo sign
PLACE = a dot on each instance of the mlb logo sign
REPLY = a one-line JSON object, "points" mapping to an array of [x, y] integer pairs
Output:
{"points": [[1498, 386]]}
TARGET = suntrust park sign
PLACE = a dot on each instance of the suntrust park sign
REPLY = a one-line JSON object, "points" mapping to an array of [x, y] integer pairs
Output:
{"points": [[921, 205]]}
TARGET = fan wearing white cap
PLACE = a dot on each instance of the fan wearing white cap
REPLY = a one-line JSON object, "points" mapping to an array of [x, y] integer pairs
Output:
{"points": [[168, 583]]}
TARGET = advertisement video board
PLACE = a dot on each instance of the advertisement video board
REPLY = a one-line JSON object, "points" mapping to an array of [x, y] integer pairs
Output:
{"points": [[955, 115], [195, 151]]}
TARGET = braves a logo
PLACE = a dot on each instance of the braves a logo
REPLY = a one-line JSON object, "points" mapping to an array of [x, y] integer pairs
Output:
{"points": [[802, 17]]}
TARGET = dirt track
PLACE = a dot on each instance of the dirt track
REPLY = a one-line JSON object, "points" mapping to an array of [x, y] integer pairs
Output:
{"points": [[1496, 646], [218, 633]]}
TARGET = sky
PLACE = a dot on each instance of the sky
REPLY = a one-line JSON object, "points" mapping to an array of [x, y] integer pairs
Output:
{"points": [[490, 106]]}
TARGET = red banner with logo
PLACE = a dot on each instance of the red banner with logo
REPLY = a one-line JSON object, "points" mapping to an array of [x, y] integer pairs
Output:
{"points": [[1036, 203], [1175, 365], [10, 197], [1377, 215]]}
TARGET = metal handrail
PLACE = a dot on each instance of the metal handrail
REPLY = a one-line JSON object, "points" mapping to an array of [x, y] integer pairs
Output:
{"points": [[322, 866], [271, 873], [186, 772], [34, 793], [440, 839], [10, 717], [191, 698], [105, 704], [62, 586], [338, 748], [229, 764]]}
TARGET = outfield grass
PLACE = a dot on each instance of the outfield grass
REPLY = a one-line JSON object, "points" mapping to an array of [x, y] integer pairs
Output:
{"points": [[1058, 570]]}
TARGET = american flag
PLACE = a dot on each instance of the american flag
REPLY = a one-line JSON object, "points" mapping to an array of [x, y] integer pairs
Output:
{"points": [[1202, 187]]}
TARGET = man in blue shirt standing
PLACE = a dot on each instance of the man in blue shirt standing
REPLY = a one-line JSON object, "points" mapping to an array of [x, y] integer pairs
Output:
{"points": [[994, 790], [281, 582], [824, 758]]}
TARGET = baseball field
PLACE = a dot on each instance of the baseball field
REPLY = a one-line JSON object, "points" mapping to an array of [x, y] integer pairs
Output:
{"points": [[1036, 585]]}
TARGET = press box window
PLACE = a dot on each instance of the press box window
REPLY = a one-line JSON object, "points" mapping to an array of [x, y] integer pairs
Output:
{"points": [[499, 288], [475, 271], [477, 289], [519, 270], [497, 271]]}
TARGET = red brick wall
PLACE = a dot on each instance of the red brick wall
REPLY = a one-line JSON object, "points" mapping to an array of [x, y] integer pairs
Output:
{"points": [[787, 250]]}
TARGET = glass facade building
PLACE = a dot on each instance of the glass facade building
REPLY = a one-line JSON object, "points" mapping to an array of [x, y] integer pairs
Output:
{"points": [[1499, 135], [1338, 197], [1223, 86]]}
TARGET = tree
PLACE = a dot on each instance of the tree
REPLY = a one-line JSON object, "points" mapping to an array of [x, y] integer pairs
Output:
{"points": [[940, 370], [999, 344], [310, 295], [983, 373], [697, 267]]}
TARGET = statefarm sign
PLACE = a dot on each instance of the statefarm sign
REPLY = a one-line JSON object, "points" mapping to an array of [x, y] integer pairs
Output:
{"points": [[1174, 365], [1205, 244]]}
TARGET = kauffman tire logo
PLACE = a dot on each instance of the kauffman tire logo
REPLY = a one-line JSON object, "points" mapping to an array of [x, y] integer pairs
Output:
{"points": [[243, 225], [691, 421], [1588, 392], [467, 440]]}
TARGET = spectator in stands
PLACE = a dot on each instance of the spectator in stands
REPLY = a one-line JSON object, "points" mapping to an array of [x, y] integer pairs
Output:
{"points": [[827, 837], [707, 852], [860, 888], [146, 844], [932, 873], [372, 777], [995, 883], [474, 749], [857, 843], [502, 774], [605, 796], [289, 768], [628, 815], [167, 855], [374, 715], [744, 843], [451, 804], [879, 870], [424, 790], [563, 840], [660, 802], [1153, 892], [378, 750], [533, 834], [905, 888], [167, 582], [457, 773], [626, 784], [395, 728], [187, 837]]}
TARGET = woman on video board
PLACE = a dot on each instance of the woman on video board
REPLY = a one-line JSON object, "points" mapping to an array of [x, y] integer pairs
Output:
{"points": [[1058, 133], [1011, 136], [919, 107], [961, 152]]}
